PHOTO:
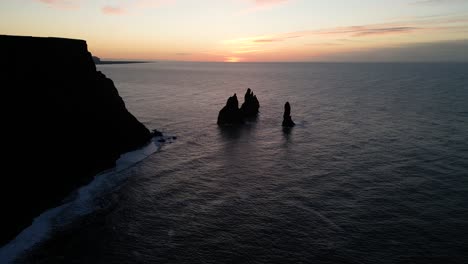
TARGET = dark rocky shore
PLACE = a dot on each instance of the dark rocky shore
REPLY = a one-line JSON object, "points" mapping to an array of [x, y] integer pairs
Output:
{"points": [[63, 123]]}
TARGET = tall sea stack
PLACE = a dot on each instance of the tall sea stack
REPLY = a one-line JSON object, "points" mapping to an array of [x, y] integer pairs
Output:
{"points": [[230, 114], [63, 123], [251, 105], [287, 120]]}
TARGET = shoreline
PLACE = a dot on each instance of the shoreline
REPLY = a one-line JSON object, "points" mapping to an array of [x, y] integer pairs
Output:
{"points": [[54, 248], [74, 116], [81, 204]]}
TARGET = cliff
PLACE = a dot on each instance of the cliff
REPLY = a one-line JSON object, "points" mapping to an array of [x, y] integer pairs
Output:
{"points": [[62, 123]]}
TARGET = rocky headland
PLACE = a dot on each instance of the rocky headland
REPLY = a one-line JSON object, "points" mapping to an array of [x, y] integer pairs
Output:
{"points": [[64, 121], [98, 61]]}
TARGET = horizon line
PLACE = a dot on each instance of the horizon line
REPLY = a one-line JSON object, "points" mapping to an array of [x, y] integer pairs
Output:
{"points": [[155, 60]]}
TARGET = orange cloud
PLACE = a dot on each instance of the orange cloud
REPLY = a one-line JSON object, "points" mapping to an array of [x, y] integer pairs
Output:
{"points": [[113, 10], [277, 39], [133, 6], [262, 5], [269, 2], [359, 31], [434, 2], [66, 4], [152, 3]]}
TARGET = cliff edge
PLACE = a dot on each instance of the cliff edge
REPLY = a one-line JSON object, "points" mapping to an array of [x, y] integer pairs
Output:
{"points": [[63, 123]]}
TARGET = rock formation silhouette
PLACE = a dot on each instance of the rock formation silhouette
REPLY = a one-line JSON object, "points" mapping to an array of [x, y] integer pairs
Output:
{"points": [[287, 120], [64, 122], [251, 105], [232, 115]]}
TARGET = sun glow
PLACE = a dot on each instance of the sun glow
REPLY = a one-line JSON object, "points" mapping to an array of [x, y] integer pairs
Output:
{"points": [[232, 59]]}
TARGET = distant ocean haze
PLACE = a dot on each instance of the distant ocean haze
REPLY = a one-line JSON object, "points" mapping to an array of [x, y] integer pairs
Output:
{"points": [[375, 170]]}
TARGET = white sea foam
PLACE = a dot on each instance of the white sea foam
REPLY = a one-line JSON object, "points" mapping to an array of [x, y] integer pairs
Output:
{"points": [[83, 203]]}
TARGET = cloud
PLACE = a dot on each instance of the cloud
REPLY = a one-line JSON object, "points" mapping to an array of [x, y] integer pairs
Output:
{"points": [[355, 39], [443, 51], [435, 2], [361, 31], [259, 5], [152, 3], [269, 40], [450, 23], [268, 2], [65, 4], [324, 44], [113, 10], [136, 5], [276, 39], [343, 32]]}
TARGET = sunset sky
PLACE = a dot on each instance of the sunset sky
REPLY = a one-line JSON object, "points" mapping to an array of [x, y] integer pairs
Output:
{"points": [[250, 30]]}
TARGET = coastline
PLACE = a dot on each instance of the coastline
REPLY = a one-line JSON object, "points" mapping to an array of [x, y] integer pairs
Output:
{"points": [[79, 206], [120, 62], [77, 115], [64, 241]]}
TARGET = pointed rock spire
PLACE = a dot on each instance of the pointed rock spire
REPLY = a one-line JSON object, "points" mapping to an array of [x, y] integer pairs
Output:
{"points": [[230, 114], [251, 105], [287, 120]]}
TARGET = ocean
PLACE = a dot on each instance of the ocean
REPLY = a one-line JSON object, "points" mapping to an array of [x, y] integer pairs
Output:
{"points": [[375, 170]]}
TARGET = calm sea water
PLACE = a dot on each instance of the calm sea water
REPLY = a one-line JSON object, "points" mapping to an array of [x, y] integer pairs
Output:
{"points": [[376, 170]]}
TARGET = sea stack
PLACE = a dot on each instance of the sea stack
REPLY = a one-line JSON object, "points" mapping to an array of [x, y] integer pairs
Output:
{"points": [[287, 120], [64, 122], [251, 105], [232, 115]]}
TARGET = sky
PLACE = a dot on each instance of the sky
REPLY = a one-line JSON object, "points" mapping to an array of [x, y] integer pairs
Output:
{"points": [[250, 30]]}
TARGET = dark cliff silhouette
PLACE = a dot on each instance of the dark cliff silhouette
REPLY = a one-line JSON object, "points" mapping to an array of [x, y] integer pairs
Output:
{"points": [[232, 115], [64, 122], [287, 120]]}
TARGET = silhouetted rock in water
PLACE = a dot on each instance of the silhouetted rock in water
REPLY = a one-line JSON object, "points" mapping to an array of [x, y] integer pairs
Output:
{"points": [[64, 122], [251, 105], [156, 133], [287, 121], [230, 114]]}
